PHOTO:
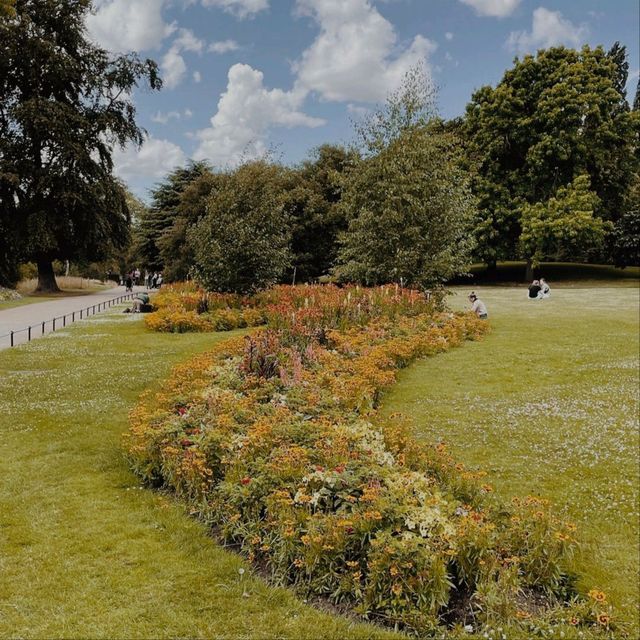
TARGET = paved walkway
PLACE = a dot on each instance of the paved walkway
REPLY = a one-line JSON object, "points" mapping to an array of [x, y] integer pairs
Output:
{"points": [[18, 318]]}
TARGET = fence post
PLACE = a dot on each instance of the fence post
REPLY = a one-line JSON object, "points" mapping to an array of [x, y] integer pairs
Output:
{"points": [[43, 328], [73, 316], [54, 324], [12, 338], [64, 321], [29, 333]]}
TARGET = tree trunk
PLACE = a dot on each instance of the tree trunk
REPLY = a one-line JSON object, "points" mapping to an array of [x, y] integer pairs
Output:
{"points": [[46, 277], [529, 271]]}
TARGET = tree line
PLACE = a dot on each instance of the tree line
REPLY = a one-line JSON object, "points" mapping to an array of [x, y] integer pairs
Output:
{"points": [[545, 165]]}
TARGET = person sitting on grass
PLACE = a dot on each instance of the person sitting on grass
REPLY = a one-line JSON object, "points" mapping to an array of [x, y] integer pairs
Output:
{"points": [[477, 306], [545, 289], [141, 303], [535, 291]]}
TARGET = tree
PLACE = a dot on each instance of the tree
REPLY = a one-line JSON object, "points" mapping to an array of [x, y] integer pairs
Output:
{"points": [[408, 202], [312, 202], [242, 243], [626, 234], [553, 117], [7, 8], [160, 216], [563, 228], [64, 104], [176, 251], [636, 100]]}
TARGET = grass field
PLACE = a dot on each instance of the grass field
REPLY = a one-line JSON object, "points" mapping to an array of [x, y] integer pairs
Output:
{"points": [[548, 405], [85, 552]]}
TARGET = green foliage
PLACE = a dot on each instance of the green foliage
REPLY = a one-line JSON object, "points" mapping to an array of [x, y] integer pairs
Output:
{"points": [[409, 206], [176, 251], [312, 201], [626, 233], [565, 226], [242, 243], [65, 104], [7, 8], [157, 221], [553, 117]]}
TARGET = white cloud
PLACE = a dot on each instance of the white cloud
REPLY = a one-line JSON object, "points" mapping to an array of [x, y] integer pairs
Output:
{"points": [[173, 66], [239, 8], [197, 76], [493, 8], [246, 112], [448, 35], [128, 25], [188, 113], [356, 55], [548, 29], [163, 118], [223, 46], [153, 160]]}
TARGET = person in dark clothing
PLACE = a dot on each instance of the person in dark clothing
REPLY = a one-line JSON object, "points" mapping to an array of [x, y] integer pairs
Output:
{"points": [[128, 283], [534, 290]]}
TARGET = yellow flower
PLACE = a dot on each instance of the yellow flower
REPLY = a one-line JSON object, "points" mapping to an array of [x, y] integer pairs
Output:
{"points": [[523, 615], [603, 619], [396, 589], [598, 596], [298, 562]]}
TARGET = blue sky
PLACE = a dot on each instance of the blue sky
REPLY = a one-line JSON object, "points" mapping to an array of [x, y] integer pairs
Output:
{"points": [[244, 76]]}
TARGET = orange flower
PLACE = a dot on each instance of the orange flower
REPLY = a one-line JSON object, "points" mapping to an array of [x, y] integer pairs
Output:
{"points": [[598, 596], [523, 615], [603, 619]]}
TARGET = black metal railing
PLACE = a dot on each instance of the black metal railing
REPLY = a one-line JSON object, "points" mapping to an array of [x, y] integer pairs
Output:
{"points": [[39, 329]]}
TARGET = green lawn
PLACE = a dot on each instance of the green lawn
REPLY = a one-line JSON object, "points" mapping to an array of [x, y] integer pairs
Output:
{"points": [[85, 552], [547, 404]]}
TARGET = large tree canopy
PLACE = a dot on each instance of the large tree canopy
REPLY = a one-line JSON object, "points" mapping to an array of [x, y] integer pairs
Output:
{"points": [[158, 221], [64, 104], [408, 201], [242, 243], [553, 117]]}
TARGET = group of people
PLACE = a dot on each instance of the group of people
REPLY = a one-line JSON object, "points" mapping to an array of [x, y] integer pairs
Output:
{"points": [[151, 280], [537, 290]]}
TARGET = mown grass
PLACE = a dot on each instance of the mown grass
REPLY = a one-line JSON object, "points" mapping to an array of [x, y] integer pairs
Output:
{"points": [[547, 404], [85, 552]]}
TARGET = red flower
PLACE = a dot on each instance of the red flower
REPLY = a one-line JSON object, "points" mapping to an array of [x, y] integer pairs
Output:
{"points": [[319, 468], [181, 411], [340, 469], [245, 480], [185, 442]]}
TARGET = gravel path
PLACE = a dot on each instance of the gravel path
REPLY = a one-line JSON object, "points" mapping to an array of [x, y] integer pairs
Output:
{"points": [[17, 319]]}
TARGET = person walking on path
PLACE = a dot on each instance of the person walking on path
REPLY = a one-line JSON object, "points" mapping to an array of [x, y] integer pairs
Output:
{"points": [[477, 306]]}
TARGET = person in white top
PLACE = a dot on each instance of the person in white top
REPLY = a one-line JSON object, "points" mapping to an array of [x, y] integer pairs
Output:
{"points": [[545, 289], [477, 306]]}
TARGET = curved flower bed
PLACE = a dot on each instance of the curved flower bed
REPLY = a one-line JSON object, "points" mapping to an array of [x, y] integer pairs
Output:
{"points": [[272, 439]]}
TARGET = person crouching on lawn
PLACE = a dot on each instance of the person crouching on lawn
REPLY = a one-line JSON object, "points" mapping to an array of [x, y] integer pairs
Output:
{"points": [[477, 306]]}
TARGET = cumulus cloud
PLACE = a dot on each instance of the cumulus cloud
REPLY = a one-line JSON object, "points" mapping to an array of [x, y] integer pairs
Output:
{"points": [[223, 46], [239, 8], [356, 56], [549, 28], [493, 8], [128, 25], [173, 65], [153, 160], [246, 112]]}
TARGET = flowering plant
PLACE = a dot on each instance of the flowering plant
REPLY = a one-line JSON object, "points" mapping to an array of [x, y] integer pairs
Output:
{"points": [[274, 440]]}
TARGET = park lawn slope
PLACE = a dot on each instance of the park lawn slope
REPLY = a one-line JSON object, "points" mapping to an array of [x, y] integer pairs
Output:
{"points": [[84, 552], [547, 404]]}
